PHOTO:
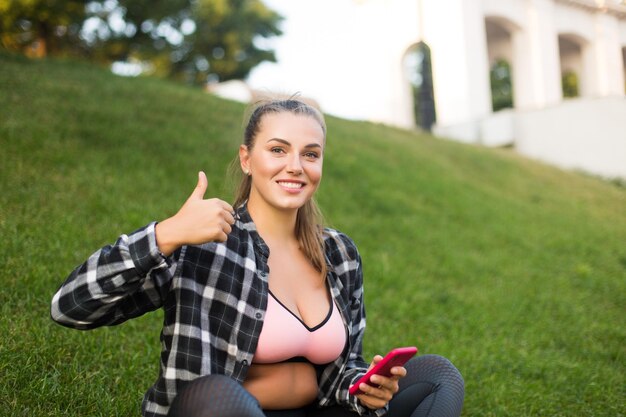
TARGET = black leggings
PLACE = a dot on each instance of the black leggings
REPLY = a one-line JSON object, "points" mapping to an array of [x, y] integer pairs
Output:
{"points": [[433, 387]]}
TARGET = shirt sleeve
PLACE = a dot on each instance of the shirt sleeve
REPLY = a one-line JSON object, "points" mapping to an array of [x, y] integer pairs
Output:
{"points": [[116, 283], [356, 365]]}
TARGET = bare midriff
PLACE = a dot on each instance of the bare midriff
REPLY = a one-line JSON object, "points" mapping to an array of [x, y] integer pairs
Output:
{"points": [[282, 385]]}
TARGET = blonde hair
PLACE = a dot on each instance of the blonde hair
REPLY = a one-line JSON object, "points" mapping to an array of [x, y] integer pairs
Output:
{"points": [[309, 220]]}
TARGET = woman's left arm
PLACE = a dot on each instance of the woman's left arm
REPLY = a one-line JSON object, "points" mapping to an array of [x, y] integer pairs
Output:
{"points": [[352, 276]]}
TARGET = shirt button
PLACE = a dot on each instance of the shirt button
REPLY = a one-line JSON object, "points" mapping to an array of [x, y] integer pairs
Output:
{"points": [[258, 315], [244, 362]]}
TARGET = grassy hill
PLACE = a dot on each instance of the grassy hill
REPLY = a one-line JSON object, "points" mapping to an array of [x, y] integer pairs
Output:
{"points": [[514, 270]]}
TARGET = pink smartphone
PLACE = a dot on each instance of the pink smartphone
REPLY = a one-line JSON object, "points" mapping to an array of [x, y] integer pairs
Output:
{"points": [[397, 357]]}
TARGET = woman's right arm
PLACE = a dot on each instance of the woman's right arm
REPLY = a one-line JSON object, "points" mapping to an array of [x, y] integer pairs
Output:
{"points": [[116, 283], [132, 276]]}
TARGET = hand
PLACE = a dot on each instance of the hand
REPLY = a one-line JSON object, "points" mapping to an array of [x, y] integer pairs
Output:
{"points": [[382, 392], [198, 221]]}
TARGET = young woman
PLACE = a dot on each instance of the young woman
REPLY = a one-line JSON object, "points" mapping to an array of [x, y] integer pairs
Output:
{"points": [[263, 307]]}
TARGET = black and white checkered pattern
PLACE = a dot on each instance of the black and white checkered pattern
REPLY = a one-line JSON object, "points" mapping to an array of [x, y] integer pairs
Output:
{"points": [[214, 297]]}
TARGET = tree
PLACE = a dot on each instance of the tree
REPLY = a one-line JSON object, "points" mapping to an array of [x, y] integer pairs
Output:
{"points": [[419, 70], [40, 27], [124, 29], [223, 45], [501, 85], [424, 93], [194, 40], [569, 84]]}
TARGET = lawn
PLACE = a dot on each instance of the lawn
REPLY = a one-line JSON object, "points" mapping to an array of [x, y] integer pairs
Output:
{"points": [[514, 270]]}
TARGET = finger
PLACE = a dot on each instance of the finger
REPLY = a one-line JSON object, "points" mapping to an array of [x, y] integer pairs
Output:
{"points": [[230, 219], [386, 384], [376, 393], [375, 360], [371, 402], [221, 237], [226, 228], [398, 372], [198, 192], [389, 384], [227, 206], [228, 213]]}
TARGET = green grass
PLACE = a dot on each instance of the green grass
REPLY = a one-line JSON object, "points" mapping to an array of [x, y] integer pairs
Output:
{"points": [[514, 270]]}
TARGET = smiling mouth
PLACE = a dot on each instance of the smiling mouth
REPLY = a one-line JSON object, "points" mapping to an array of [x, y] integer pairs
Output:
{"points": [[291, 185]]}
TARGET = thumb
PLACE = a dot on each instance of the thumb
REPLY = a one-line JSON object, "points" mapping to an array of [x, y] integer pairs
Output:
{"points": [[375, 360], [198, 192]]}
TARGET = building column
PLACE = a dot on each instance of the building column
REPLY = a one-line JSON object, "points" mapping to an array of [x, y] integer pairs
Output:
{"points": [[536, 48], [459, 63], [605, 65]]}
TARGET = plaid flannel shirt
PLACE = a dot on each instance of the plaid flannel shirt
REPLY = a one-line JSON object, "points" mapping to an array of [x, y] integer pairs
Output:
{"points": [[214, 298]]}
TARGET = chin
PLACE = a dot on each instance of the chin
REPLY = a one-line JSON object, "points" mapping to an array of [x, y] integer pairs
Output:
{"points": [[291, 205]]}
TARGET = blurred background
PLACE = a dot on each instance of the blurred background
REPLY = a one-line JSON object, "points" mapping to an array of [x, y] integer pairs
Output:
{"points": [[544, 77], [513, 268]]}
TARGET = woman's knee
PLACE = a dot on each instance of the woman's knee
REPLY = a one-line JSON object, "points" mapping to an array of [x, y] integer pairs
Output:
{"points": [[435, 369], [214, 395], [432, 386]]}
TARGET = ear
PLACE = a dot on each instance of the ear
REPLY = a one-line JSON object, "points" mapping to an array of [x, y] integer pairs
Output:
{"points": [[244, 159]]}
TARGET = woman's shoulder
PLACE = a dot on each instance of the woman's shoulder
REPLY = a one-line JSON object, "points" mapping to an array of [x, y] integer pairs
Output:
{"points": [[339, 244]]}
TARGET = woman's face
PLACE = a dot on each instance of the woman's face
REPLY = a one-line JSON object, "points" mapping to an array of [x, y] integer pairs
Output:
{"points": [[285, 161]]}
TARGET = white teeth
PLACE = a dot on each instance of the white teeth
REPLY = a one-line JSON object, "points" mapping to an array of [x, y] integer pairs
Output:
{"points": [[291, 184]]}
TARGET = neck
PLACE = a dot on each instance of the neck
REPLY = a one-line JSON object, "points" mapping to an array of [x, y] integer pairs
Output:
{"points": [[274, 226]]}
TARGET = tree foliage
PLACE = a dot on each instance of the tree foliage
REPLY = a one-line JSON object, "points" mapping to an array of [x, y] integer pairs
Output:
{"points": [[419, 67], [569, 84], [501, 85], [225, 38], [194, 40], [40, 27]]}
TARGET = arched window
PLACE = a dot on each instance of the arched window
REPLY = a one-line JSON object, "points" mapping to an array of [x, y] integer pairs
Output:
{"points": [[571, 51], [501, 85], [569, 83], [624, 60], [500, 52], [418, 67]]}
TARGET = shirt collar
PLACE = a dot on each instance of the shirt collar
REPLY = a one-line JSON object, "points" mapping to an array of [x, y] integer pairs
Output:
{"points": [[242, 215]]}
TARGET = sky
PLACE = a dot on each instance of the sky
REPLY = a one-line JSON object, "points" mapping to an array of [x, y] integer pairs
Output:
{"points": [[320, 39], [323, 46]]}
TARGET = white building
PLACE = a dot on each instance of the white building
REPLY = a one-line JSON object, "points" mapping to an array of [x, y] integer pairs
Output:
{"points": [[541, 39], [365, 44]]}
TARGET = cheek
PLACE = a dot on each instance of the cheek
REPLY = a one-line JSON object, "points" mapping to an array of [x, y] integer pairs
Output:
{"points": [[315, 173], [266, 165]]}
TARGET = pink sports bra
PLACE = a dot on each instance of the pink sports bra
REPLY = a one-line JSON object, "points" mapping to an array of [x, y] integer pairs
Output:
{"points": [[285, 336]]}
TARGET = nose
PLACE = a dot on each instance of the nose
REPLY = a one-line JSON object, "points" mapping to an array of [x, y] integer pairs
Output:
{"points": [[294, 165]]}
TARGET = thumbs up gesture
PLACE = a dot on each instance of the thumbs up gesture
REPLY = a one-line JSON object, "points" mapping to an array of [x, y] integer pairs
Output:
{"points": [[198, 221]]}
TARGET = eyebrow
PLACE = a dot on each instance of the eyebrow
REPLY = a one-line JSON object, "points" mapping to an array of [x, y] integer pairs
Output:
{"points": [[285, 142]]}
